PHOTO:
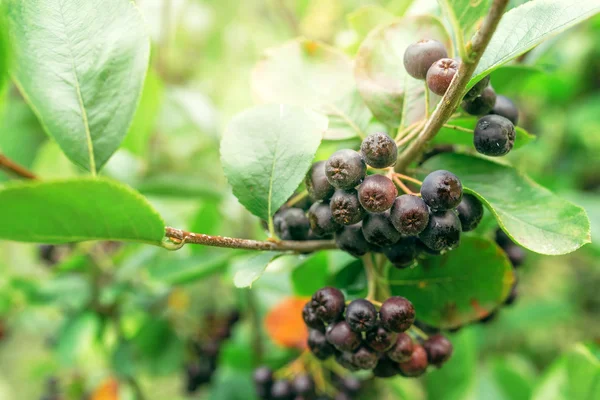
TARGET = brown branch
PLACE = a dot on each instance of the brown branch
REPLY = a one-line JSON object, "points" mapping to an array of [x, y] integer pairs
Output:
{"points": [[453, 96], [9, 165], [182, 237]]}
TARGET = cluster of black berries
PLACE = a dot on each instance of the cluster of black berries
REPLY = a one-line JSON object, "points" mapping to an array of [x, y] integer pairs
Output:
{"points": [[495, 133], [365, 339], [366, 214], [302, 386], [205, 350]]}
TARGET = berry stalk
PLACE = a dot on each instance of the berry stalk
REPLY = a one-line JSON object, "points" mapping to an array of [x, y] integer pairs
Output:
{"points": [[10, 166]]}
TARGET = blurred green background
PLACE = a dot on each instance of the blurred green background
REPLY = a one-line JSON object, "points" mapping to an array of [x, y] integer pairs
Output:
{"points": [[59, 321]]}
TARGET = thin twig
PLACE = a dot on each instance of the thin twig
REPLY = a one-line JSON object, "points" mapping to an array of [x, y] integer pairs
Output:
{"points": [[180, 237], [10, 166], [454, 94], [458, 128], [297, 198], [426, 100], [407, 138], [408, 178], [371, 276], [402, 186]]}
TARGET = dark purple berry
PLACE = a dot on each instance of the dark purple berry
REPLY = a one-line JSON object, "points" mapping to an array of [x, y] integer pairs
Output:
{"points": [[345, 169], [470, 212], [440, 75], [377, 193], [386, 368], [341, 396], [317, 184], [477, 89], [424, 252], [402, 349], [311, 319], [318, 345], [303, 385], [361, 315], [321, 220], [350, 385], [397, 314], [291, 224], [442, 232], [346, 360], [441, 190], [351, 240], [282, 390], [506, 108], [346, 208], [419, 56], [328, 304], [438, 349], [342, 337], [481, 104], [379, 150], [409, 214], [515, 254], [417, 365], [403, 253], [502, 239], [379, 231], [380, 339], [365, 358], [494, 135]]}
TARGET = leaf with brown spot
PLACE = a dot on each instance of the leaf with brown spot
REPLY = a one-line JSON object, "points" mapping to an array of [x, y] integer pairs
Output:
{"points": [[284, 323]]}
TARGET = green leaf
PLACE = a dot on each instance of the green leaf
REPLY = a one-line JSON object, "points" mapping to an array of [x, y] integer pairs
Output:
{"points": [[81, 66], [311, 74], [77, 210], [4, 49], [207, 220], [393, 96], [453, 136], [178, 186], [510, 80], [189, 269], [526, 26], [77, 337], [530, 214], [591, 203], [249, 269], [266, 152], [368, 17], [160, 350], [311, 275], [140, 131], [457, 288], [514, 376], [463, 16], [575, 376]]}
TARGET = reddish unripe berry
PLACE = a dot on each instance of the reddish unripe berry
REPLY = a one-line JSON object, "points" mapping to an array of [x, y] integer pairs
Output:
{"points": [[438, 349], [440, 75], [402, 349], [417, 365], [419, 57], [377, 193], [397, 314]]}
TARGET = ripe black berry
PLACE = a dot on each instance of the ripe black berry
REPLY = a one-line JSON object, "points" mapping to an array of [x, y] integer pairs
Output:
{"points": [[515, 254], [263, 380], [345, 169], [379, 150], [438, 349], [397, 314], [361, 315], [291, 224], [481, 104], [402, 349], [318, 344], [419, 56], [321, 220], [440, 74], [342, 337], [417, 364], [441, 190], [386, 368], [351, 240], [316, 182], [328, 304], [494, 135], [506, 108], [403, 253], [470, 212], [424, 252], [346, 360], [365, 358], [380, 339], [377, 193], [477, 89], [303, 385], [442, 232], [311, 319], [282, 390], [346, 208], [502, 239], [409, 214], [379, 231]]}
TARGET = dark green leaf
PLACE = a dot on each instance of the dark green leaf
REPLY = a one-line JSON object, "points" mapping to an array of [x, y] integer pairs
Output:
{"points": [[510, 80], [233, 384], [81, 66], [249, 269], [457, 288], [392, 95], [352, 279], [311, 275], [266, 152], [158, 347], [448, 135], [77, 210], [514, 376], [526, 26], [530, 214]]}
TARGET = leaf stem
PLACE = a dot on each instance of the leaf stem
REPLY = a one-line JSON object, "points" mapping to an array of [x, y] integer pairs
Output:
{"points": [[9, 165], [408, 178], [449, 103], [371, 276], [458, 128], [418, 332], [297, 198], [402, 186], [177, 238], [426, 100]]}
